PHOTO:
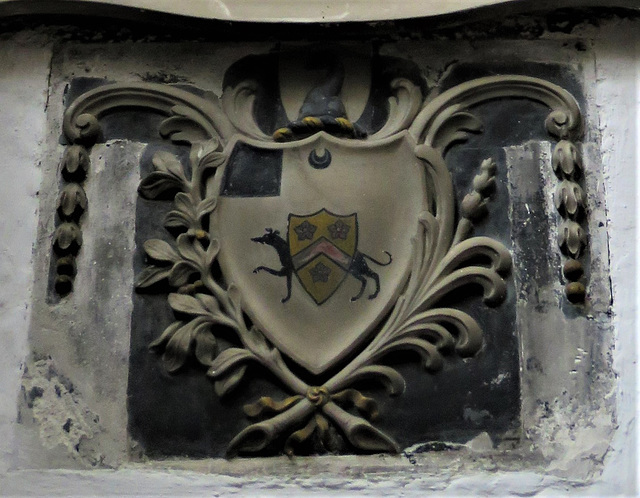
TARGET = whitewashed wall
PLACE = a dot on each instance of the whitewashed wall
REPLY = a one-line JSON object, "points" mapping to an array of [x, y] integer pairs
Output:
{"points": [[279, 10], [24, 75]]}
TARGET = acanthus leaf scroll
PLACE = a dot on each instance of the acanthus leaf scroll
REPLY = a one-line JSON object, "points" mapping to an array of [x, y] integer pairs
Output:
{"points": [[217, 216]]}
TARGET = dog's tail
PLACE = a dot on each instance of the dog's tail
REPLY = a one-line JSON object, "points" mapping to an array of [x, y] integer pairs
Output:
{"points": [[379, 262]]}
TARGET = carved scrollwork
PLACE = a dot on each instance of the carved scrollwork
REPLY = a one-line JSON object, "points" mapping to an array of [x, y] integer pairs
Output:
{"points": [[440, 266], [404, 105], [189, 119], [447, 119], [237, 104], [445, 257], [434, 123]]}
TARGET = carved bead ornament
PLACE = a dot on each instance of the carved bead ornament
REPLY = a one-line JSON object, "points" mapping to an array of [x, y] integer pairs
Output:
{"points": [[72, 203], [570, 201]]}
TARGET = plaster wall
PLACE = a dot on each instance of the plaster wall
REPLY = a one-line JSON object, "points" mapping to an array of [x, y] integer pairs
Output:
{"points": [[24, 86], [25, 73], [279, 10], [312, 11]]}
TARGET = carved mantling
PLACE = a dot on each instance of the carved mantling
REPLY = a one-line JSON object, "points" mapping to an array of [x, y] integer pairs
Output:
{"points": [[444, 256]]}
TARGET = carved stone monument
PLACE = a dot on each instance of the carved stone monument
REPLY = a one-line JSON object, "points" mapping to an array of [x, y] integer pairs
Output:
{"points": [[315, 231]]}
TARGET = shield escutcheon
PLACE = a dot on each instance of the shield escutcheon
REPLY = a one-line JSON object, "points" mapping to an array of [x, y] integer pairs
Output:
{"points": [[322, 246], [317, 236]]}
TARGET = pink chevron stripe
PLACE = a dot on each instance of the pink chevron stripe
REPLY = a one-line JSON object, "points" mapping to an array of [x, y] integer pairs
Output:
{"points": [[322, 246]]}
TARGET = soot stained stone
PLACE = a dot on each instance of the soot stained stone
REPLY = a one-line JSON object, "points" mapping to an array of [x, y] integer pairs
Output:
{"points": [[252, 172]]}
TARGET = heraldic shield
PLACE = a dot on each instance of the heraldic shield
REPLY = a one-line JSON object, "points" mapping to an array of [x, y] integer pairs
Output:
{"points": [[350, 255], [322, 246]]}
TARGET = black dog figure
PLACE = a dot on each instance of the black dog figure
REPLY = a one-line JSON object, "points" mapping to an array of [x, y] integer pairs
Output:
{"points": [[272, 238], [358, 267]]}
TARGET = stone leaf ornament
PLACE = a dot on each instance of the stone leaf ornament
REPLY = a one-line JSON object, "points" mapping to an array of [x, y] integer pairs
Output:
{"points": [[216, 225]]}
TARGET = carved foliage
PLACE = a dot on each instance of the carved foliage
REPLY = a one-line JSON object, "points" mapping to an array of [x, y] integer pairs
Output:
{"points": [[189, 119], [439, 267], [444, 258], [442, 263]]}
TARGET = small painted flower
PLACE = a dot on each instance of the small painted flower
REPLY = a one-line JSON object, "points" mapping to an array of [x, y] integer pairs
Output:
{"points": [[305, 230], [320, 273], [339, 230]]}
